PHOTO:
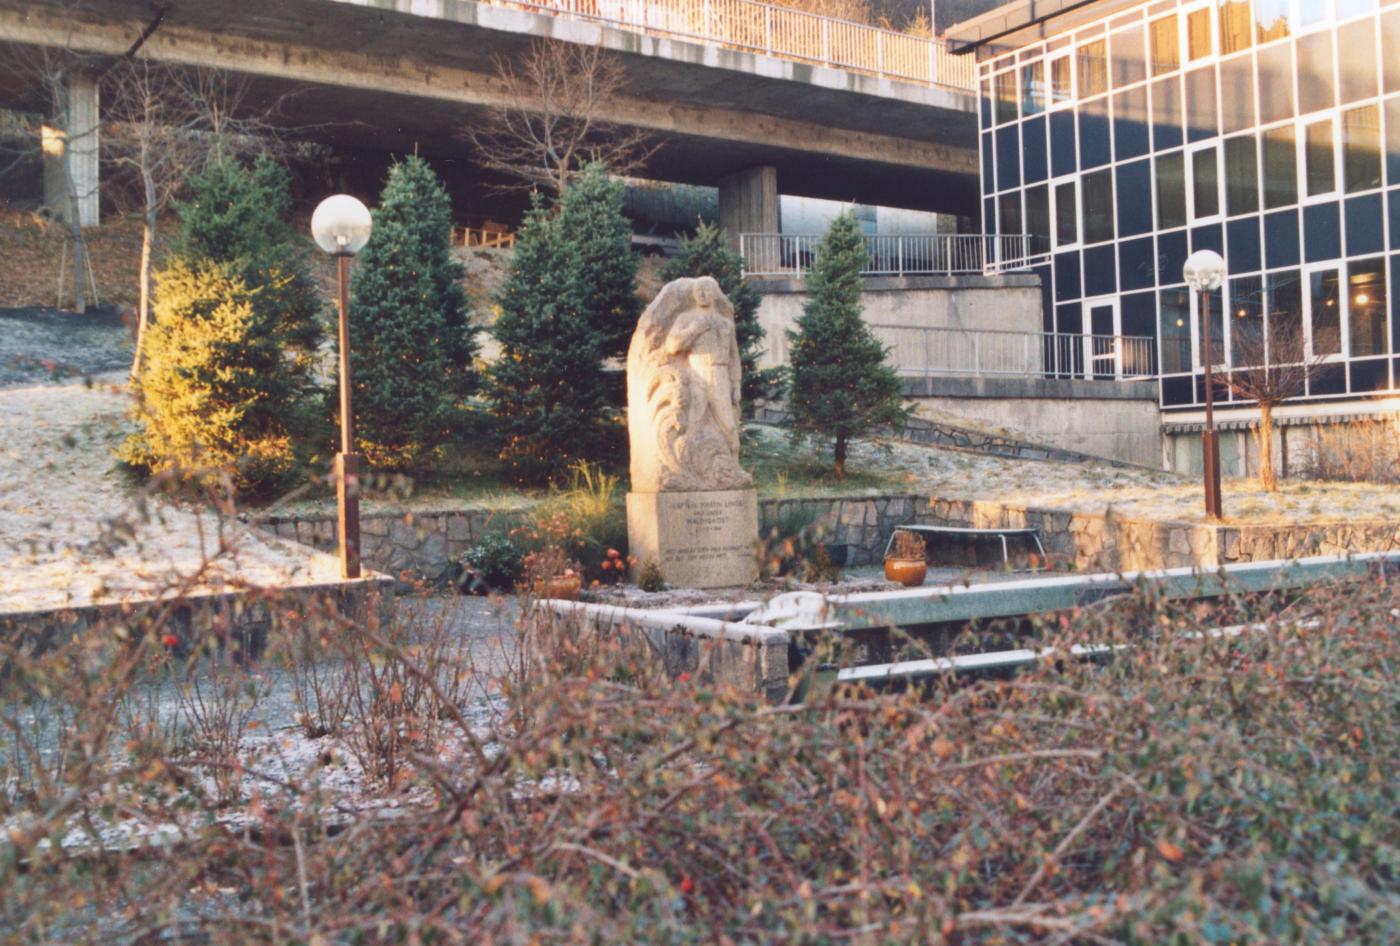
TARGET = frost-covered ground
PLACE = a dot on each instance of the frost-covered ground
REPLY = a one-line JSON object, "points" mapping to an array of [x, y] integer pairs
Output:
{"points": [[73, 533], [1133, 493]]}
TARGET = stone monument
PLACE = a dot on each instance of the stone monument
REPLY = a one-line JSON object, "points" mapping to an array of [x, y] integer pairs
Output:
{"points": [[693, 509]]}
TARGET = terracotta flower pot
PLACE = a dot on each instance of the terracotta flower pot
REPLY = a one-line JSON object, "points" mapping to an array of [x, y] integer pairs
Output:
{"points": [[564, 587], [909, 572]]}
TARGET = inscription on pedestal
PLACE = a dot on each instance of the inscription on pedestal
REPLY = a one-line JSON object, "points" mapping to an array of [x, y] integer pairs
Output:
{"points": [[699, 540]]}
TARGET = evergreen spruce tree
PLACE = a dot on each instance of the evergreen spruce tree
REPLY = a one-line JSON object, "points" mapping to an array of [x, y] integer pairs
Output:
{"points": [[226, 376], [841, 387], [547, 390], [238, 215], [590, 218], [412, 347], [707, 253]]}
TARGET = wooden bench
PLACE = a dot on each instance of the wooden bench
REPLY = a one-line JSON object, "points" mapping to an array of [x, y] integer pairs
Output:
{"points": [[990, 533]]}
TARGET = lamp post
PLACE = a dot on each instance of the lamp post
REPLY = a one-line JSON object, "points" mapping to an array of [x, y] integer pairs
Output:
{"points": [[341, 226], [1204, 272]]}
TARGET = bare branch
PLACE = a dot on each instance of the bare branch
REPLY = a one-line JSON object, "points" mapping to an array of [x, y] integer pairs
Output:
{"points": [[552, 123]]}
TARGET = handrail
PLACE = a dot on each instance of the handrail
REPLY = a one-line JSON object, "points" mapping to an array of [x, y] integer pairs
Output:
{"points": [[777, 31], [928, 351], [946, 254]]}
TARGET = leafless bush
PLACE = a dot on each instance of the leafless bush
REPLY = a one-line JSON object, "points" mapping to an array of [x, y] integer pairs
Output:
{"points": [[1360, 451]]}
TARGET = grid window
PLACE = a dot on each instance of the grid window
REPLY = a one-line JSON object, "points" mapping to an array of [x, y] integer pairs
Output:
{"points": [[1313, 12], [1066, 214], [1247, 322], [1198, 37], [1033, 88], [1061, 81], [1236, 26], [1241, 176], [1205, 184], [1166, 113], [1202, 120], [1171, 191], [1038, 218], [1317, 89], [1174, 308], [1005, 84], [1361, 148], [1276, 83], [1097, 194], [1093, 69], [1321, 161], [1272, 19], [1366, 304], [1165, 45], [1129, 57], [1326, 316], [1360, 77], [1009, 210], [1285, 297], [1280, 151]]}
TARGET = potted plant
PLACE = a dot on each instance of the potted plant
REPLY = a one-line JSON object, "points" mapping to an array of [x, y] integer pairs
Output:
{"points": [[904, 560]]}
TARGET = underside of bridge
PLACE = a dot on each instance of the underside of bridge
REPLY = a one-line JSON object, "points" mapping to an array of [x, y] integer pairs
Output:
{"points": [[399, 75]]}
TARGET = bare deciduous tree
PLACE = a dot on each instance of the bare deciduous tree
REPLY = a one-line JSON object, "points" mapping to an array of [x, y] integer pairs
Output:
{"points": [[166, 124], [1273, 365], [553, 120]]}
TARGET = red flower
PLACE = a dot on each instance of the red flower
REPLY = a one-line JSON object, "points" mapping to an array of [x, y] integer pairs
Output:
{"points": [[683, 678], [614, 553], [170, 640], [687, 885]]}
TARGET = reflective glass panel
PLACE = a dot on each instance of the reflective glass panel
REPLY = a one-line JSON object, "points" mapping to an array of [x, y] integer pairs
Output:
{"points": [[1198, 36], [1360, 79], [1202, 120], [1317, 89], [1366, 307], [1005, 85], [1097, 197], [1276, 83], [1205, 183], [1038, 217], [1061, 84], [1326, 321], [1272, 19], [1033, 88], [1066, 214], [1175, 330], [1285, 298], [1361, 148], [1165, 45], [1171, 191], [1093, 69], [1247, 322], [1129, 57], [1236, 26], [1320, 158], [1241, 175], [1280, 152]]}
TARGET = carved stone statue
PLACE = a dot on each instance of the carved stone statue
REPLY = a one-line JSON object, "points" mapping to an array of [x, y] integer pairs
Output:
{"points": [[683, 376]]}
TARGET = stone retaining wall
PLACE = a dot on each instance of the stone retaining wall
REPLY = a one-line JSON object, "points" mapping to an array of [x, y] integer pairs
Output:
{"points": [[1095, 542], [427, 544]]}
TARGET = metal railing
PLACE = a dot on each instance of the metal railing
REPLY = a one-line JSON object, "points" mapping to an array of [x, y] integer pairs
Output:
{"points": [[935, 254], [917, 351], [777, 31]]}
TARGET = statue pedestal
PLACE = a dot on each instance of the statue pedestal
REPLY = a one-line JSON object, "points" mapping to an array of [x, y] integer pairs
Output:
{"points": [[698, 539]]}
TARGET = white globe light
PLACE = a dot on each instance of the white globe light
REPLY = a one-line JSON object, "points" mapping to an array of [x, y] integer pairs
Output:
{"points": [[1204, 270], [341, 225]]}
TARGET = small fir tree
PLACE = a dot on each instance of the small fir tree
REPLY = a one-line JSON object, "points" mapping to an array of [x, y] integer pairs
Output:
{"points": [[547, 390], [216, 392], [842, 389], [707, 253], [226, 377], [412, 347], [591, 219]]}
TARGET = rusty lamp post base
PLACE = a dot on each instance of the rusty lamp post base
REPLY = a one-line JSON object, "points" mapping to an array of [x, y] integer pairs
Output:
{"points": [[1210, 455]]}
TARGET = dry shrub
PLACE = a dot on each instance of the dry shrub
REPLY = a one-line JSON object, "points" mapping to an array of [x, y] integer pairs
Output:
{"points": [[1358, 451], [1194, 789]]}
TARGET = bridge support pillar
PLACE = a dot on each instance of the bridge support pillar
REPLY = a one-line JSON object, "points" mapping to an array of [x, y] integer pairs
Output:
{"points": [[70, 147], [748, 203]]}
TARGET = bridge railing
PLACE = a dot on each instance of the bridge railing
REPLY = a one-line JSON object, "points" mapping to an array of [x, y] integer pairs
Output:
{"points": [[778, 31], [919, 351], [935, 254]]}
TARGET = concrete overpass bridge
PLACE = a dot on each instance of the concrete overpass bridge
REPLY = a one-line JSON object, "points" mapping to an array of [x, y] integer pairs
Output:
{"points": [[811, 106]]}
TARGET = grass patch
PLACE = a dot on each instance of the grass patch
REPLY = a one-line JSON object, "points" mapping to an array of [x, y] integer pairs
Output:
{"points": [[782, 469]]}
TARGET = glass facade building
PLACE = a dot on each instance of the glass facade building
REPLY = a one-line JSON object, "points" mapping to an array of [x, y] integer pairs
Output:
{"points": [[1123, 137]]}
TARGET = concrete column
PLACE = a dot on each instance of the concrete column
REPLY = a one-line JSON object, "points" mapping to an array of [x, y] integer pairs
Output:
{"points": [[71, 151], [748, 203]]}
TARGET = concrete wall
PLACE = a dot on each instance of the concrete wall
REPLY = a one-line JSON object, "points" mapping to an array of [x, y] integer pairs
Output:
{"points": [[1009, 303], [1115, 420]]}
